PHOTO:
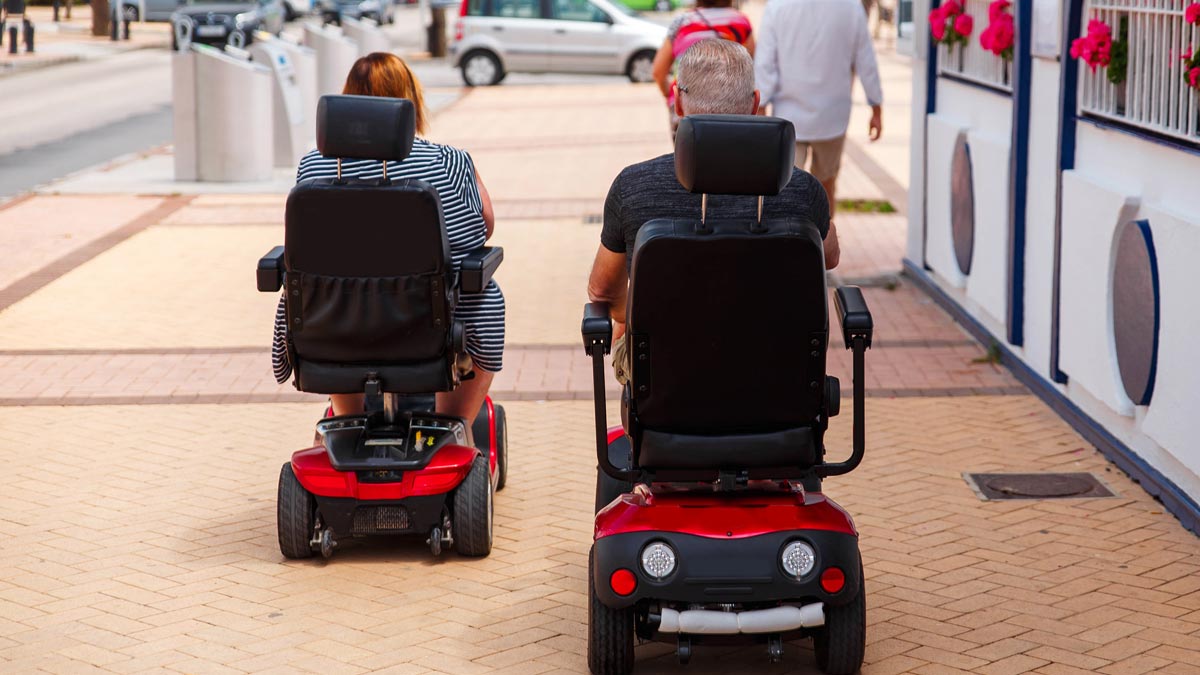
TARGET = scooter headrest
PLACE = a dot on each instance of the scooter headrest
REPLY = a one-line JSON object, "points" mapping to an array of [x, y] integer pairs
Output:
{"points": [[734, 154], [365, 127]]}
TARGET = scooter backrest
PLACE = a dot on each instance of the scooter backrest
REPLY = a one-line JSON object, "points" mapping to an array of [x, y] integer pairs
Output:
{"points": [[369, 277], [728, 320], [734, 154]]}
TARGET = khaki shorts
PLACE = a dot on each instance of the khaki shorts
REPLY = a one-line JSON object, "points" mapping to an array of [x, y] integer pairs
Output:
{"points": [[621, 362], [826, 157]]}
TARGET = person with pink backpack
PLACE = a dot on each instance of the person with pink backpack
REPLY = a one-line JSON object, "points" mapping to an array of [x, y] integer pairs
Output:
{"points": [[710, 19]]}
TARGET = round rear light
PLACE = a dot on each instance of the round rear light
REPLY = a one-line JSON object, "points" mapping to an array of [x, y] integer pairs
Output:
{"points": [[798, 559], [623, 582], [658, 560], [833, 580]]}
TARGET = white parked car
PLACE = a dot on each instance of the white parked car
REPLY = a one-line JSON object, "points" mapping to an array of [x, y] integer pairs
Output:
{"points": [[496, 37]]}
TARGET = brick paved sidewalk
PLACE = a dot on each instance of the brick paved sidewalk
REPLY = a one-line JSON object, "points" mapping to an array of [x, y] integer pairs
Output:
{"points": [[141, 538]]}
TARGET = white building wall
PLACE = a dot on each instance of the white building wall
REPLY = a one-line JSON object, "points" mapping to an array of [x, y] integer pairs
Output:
{"points": [[1117, 177]]}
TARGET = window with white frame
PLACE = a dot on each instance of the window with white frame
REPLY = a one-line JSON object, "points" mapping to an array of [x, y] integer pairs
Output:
{"points": [[971, 61], [1153, 93]]}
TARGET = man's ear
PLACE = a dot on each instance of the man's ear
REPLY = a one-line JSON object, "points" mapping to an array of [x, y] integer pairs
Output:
{"points": [[754, 110], [678, 100]]}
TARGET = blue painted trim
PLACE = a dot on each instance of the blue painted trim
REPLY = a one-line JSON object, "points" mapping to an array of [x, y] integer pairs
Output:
{"points": [[966, 81], [1019, 173], [1173, 498], [1148, 238], [1143, 134], [1068, 97]]}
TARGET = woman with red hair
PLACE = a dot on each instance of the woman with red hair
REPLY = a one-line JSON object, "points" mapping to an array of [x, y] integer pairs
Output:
{"points": [[469, 223]]}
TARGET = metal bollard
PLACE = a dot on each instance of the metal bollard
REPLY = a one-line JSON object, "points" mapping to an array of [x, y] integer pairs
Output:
{"points": [[55, 3], [12, 39], [115, 30], [28, 36]]}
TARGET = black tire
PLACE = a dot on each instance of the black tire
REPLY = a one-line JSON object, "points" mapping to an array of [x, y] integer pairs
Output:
{"points": [[480, 75], [473, 511], [289, 12], [610, 632], [296, 515], [501, 448], [839, 645], [640, 67]]}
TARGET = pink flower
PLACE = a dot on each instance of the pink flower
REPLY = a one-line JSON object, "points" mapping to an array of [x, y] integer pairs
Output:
{"points": [[937, 25], [951, 7], [1192, 13], [997, 8], [1194, 77], [963, 24]]}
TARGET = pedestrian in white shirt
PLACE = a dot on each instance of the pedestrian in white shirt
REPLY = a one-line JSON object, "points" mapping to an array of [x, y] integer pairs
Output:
{"points": [[808, 53]]}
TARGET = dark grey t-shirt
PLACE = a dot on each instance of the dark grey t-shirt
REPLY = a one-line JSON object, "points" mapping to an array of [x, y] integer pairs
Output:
{"points": [[649, 190]]}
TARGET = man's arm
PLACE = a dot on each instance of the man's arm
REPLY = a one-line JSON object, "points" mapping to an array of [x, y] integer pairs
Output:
{"points": [[868, 73], [608, 283], [766, 58]]}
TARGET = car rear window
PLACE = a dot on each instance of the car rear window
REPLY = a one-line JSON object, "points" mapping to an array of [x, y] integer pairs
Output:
{"points": [[475, 7], [518, 9]]}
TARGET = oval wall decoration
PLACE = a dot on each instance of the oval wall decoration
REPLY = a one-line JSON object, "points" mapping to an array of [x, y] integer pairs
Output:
{"points": [[1135, 310], [962, 204]]}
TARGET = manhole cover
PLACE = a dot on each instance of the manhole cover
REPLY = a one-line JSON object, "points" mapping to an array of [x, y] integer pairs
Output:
{"points": [[1037, 485]]}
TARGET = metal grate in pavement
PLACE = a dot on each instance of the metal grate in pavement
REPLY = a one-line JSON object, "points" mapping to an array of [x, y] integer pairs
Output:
{"points": [[994, 486]]}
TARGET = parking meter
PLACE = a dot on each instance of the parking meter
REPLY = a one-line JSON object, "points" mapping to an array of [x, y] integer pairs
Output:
{"points": [[291, 129]]}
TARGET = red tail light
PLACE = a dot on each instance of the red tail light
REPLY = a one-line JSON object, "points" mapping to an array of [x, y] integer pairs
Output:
{"points": [[623, 582], [462, 9], [458, 34], [833, 580]]}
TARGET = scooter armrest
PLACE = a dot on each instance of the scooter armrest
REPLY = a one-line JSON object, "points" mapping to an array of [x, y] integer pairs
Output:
{"points": [[270, 271], [597, 327], [478, 268], [854, 314]]}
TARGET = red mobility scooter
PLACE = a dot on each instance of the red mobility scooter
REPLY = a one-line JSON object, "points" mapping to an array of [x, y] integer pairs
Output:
{"points": [[711, 524], [370, 297]]}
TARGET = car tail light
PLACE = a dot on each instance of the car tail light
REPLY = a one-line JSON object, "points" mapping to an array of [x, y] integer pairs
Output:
{"points": [[458, 30], [623, 582], [833, 580], [462, 9]]}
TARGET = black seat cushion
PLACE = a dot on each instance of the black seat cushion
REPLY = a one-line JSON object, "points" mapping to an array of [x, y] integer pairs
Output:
{"points": [[370, 286], [728, 325]]}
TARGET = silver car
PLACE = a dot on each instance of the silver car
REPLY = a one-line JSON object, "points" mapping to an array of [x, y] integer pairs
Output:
{"points": [[495, 37]]}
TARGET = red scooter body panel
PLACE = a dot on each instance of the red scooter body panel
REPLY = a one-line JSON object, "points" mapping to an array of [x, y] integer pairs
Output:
{"points": [[448, 467], [763, 508], [721, 515]]}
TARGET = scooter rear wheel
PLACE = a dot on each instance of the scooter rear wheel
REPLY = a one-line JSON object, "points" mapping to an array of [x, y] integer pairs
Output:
{"points": [[473, 511], [840, 644], [295, 516], [610, 632]]}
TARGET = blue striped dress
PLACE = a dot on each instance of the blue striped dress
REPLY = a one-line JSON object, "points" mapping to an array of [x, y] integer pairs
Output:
{"points": [[452, 173]]}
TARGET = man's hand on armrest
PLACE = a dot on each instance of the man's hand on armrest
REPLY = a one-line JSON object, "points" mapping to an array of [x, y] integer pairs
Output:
{"points": [[833, 250]]}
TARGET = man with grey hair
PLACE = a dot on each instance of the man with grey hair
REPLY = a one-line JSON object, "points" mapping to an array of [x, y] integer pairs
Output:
{"points": [[714, 77]]}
